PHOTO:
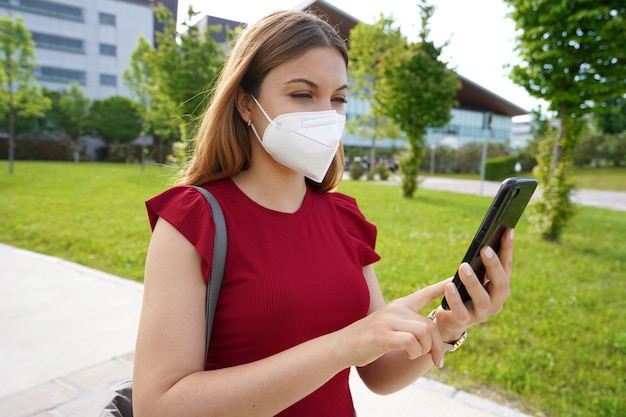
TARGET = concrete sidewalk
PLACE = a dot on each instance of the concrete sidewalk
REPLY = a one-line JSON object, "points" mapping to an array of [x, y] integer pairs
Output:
{"points": [[68, 335], [613, 200]]}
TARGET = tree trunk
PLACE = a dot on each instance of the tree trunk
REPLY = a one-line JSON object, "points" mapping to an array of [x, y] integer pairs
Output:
{"points": [[11, 137], [562, 132]]}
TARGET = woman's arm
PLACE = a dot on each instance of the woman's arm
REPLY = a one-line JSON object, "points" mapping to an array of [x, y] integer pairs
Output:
{"points": [[169, 376]]}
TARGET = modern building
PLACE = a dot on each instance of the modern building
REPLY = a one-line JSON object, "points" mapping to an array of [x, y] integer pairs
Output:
{"points": [[226, 26], [479, 114], [85, 41]]}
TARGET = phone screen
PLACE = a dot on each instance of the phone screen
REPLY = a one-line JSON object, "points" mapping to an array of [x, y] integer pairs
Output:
{"points": [[505, 211]]}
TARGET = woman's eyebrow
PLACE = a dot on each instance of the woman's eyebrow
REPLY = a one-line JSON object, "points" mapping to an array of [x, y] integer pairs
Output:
{"points": [[312, 84], [303, 80]]}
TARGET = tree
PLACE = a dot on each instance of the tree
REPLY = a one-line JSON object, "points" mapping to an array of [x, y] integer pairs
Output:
{"points": [[139, 78], [115, 119], [573, 57], [372, 49], [420, 93], [73, 109], [19, 97], [186, 66], [611, 117]]}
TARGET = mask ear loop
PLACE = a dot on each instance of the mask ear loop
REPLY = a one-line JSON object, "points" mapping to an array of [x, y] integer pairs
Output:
{"points": [[251, 125], [262, 109]]}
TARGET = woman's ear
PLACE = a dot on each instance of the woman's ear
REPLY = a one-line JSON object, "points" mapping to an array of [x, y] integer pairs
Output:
{"points": [[244, 105]]}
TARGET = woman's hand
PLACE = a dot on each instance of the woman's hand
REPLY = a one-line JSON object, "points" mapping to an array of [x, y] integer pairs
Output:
{"points": [[398, 326], [487, 298]]}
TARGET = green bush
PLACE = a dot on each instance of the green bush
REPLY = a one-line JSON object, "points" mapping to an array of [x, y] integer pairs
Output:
{"points": [[497, 169], [383, 172], [356, 171], [41, 150]]}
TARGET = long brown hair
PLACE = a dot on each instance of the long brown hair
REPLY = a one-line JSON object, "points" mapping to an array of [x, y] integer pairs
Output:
{"points": [[222, 144]]}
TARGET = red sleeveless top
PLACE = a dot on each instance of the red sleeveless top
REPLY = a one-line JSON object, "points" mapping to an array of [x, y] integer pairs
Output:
{"points": [[288, 277]]}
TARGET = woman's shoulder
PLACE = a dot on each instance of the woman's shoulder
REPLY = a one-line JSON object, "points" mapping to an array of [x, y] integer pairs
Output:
{"points": [[182, 203], [356, 224], [177, 199], [346, 204]]}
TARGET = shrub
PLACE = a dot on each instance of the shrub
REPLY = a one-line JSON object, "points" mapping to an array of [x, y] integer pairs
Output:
{"points": [[499, 168], [356, 171], [383, 172], [41, 149]]}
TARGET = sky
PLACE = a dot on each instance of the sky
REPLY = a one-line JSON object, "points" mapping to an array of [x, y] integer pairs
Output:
{"points": [[481, 39]]}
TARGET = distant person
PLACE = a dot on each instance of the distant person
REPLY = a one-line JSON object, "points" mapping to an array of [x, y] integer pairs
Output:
{"points": [[300, 303]]}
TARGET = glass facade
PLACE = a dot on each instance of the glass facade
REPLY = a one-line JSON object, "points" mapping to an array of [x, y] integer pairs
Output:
{"points": [[106, 19], [109, 50], [108, 79], [468, 126], [61, 43], [61, 75], [465, 126], [49, 8]]}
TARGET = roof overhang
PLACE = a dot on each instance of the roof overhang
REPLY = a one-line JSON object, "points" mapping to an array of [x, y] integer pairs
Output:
{"points": [[472, 96], [341, 20]]}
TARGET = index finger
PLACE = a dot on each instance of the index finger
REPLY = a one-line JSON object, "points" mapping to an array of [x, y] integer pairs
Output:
{"points": [[421, 298]]}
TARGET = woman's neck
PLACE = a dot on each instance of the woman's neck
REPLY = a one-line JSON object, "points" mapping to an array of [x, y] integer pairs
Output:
{"points": [[278, 191]]}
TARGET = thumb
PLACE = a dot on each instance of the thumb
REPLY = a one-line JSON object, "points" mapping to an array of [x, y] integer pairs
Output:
{"points": [[420, 299]]}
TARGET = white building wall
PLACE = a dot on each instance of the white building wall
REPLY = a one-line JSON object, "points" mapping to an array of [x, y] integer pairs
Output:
{"points": [[132, 18]]}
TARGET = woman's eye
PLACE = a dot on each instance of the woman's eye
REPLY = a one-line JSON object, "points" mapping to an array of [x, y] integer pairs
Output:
{"points": [[301, 95], [341, 100]]}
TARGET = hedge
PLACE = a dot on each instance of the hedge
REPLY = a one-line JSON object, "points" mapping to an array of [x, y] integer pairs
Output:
{"points": [[41, 149], [497, 169]]}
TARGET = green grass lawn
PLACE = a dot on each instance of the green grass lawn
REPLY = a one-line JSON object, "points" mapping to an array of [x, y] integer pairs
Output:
{"points": [[557, 349]]}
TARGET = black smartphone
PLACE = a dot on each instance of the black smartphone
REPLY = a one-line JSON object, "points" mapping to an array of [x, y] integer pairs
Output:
{"points": [[505, 210]]}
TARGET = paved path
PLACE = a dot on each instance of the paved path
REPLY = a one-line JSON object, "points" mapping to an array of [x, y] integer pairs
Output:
{"points": [[614, 200], [68, 335]]}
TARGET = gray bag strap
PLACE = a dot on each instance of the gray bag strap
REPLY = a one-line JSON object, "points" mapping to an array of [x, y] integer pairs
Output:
{"points": [[219, 261]]}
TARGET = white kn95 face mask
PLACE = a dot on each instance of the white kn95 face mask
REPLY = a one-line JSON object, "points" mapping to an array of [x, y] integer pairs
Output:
{"points": [[303, 141]]}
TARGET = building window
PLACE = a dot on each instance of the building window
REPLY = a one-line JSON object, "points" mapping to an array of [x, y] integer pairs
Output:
{"points": [[109, 50], [48, 8], [107, 79], [43, 40], [60, 75], [107, 19]]}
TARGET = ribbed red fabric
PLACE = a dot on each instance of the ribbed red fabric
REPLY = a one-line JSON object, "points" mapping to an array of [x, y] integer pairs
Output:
{"points": [[288, 277]]}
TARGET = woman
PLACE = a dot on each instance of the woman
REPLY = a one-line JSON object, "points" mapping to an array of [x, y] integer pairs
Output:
{"points": [[300, 303]]}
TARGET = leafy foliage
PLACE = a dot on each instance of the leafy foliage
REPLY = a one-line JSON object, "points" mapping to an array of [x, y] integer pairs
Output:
{"points": [[73, 108], [139, 78], [19, 96], [573, 57], [551, 212], [373, 48], [611, 116], [115, 119], [421, 91], [185, 66]]}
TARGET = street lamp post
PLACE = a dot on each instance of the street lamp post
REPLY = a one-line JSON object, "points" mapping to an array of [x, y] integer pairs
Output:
{"points": [[487, 116]]}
